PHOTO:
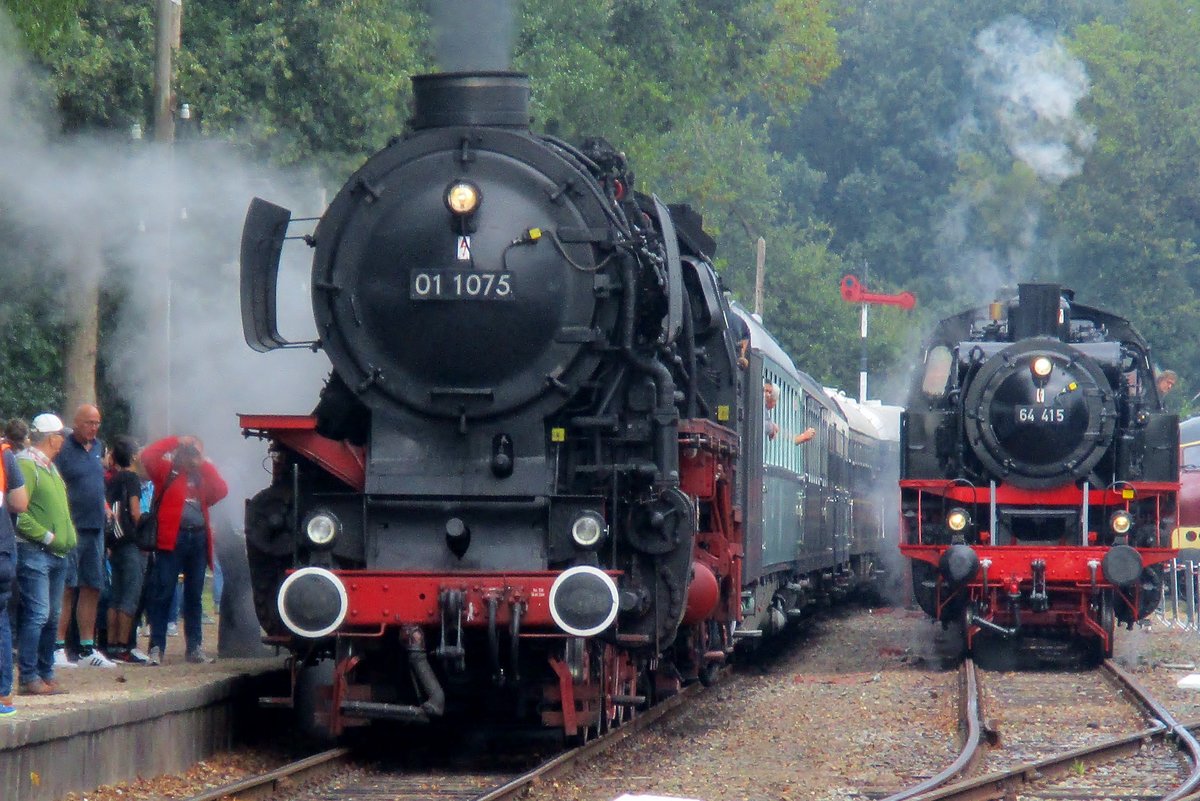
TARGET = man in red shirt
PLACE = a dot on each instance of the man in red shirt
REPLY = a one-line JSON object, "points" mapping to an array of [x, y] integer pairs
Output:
{"points": [[188, 484]]}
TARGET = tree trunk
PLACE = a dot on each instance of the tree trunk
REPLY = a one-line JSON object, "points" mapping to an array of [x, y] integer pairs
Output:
{"points": [[79, 364]]}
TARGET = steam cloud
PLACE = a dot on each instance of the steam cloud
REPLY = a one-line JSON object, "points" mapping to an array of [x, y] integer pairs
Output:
{"points": [[473, 34], [1033, 85], [150, 223], [160, 228], [1026, 91]]}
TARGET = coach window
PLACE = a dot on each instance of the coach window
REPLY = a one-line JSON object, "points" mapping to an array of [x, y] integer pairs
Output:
{"points": [[771, 393], [785, 424], [825, 443], [937, 371], [816, 443], [789, 449]]}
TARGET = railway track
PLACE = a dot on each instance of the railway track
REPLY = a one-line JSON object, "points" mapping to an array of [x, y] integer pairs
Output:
{"points": [[336, 774], [1134, 750]]}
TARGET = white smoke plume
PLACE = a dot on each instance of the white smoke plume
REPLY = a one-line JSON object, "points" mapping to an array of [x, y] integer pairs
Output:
{"points": [[1032, 86], [157, 225], [1027, 89]]}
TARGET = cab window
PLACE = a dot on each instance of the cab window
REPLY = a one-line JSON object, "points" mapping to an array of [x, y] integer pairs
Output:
{"points": [[937, 371]]}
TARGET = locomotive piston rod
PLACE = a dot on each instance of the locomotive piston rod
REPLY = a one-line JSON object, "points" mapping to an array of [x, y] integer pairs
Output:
{"points": [[984, 623]]}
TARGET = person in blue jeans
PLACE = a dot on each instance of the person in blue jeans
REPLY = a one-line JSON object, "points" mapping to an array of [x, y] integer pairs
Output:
{"points": [[173, 611], [13, 500], [188, 484], [47, 535]]}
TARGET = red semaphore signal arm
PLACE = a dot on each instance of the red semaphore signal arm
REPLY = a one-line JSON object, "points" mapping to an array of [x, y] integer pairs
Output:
{"points": [[854, 292]]}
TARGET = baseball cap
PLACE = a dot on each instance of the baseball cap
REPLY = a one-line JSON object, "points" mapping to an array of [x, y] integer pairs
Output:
{"points": [[47, 423]]}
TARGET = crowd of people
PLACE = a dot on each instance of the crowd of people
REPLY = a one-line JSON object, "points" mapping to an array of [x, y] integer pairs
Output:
{"points": [[81, 522]]}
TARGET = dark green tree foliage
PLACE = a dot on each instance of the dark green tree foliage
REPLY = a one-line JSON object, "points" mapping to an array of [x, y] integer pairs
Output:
{"points": [[884, 129], [1132, 218], [100, 58], [30, 357], [310, 82], [632, 70], [41, 21]]}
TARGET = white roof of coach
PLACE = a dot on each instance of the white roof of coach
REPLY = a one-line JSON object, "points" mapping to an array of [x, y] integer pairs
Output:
{"points": [[888, 416], [855, 414], [873, 417]]}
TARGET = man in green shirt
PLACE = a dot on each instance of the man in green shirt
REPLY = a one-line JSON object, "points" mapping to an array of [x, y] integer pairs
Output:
{"points": [[45, 534]]}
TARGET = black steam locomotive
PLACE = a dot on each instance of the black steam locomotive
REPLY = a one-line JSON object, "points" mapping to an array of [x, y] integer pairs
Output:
{"points": [[1039, 472], [521, 492]]}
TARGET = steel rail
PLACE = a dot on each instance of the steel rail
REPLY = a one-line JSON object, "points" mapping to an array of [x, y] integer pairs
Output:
{"points": [[267, 784], [970, 721], [1004, 784], [277, 781], [564, 762], [1184, 740]]}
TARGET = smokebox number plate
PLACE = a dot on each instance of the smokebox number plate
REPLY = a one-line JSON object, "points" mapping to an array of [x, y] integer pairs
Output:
{"points": [[1041, 414], [460, 285]]}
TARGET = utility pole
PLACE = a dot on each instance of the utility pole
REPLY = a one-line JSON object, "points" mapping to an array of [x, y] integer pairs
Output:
{"points": [[169, 15], [167, 30], [760, 274]]}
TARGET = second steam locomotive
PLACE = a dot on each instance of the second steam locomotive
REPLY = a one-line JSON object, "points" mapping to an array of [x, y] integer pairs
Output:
{"points": [[554, 473], [1039, 473]]}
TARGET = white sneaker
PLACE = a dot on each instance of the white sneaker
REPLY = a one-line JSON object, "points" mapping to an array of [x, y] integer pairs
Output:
{"points": [[61, 660], [96, 659], [172, 629]]}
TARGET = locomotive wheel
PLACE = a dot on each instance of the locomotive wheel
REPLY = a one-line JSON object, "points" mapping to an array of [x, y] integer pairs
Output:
{"points": [[1108, 622], [268, 550], [708, 671], [586, 735]]}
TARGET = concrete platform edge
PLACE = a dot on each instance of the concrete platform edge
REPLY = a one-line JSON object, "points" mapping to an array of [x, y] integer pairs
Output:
{"points": [[18, 733], [45, 758]]}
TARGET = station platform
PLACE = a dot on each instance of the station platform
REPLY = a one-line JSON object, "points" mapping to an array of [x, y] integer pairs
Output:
{"points": [[116, 724]]}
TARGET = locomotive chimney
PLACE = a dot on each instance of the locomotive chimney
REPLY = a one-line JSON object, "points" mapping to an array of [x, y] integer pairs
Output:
{"points": [[1037, 312], [442, 99]]}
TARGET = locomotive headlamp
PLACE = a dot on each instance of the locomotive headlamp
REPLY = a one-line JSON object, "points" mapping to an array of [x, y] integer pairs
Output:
{"points": [[588, 529], [321, 527], [462, 197], [1041, 367], [958, 519], [1121, 522]]}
